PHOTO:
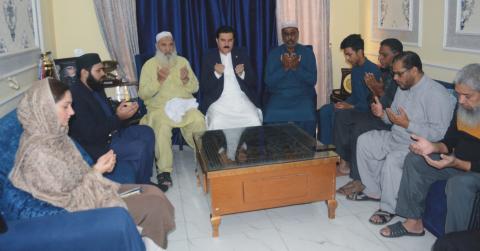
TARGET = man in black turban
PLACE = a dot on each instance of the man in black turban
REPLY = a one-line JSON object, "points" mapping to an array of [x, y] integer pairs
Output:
{"points": [[98, 128]]}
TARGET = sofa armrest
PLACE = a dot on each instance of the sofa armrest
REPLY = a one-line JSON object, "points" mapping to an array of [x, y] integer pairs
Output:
{"points": [[436, 209], [98, 229]]}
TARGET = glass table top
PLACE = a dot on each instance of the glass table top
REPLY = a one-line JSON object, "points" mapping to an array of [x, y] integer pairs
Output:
{"points": [[253, 146]]}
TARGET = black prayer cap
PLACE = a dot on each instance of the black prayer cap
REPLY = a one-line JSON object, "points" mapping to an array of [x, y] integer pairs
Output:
{"points": [[87, 61]]}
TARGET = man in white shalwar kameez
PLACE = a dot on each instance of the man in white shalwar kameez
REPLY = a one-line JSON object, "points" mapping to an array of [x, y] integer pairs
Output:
{"points": [[227, 86]]}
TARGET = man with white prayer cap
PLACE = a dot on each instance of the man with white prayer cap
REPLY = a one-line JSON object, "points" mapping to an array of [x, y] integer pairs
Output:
{"points": [[290, 78], [167, 84]]}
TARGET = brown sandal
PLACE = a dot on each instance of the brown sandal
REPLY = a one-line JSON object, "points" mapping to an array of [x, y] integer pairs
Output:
{"points": [[345, 189], [351, 187]]}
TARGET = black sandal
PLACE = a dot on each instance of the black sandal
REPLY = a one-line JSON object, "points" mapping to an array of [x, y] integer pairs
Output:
{"points": [[398, 230], [360, 196], [384, 216], [165, 179]]}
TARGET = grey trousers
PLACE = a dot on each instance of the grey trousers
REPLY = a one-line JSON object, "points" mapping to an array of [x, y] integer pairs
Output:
{"points": [[348, 126], [461, 190], [380, 162]]}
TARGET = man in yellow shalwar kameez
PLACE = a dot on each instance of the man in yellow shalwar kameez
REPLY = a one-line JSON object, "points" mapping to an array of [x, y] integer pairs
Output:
{"points": [[167, 81]]}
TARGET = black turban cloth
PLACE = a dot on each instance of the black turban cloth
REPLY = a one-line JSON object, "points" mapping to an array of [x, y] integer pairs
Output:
{"points": [[86, 61]]}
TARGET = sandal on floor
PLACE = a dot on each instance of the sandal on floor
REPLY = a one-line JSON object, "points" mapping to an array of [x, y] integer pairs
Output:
{"points": [[384, 216], [165, 179], [160, 186], [345, 189], [351, 187], [398, 230], [360, 196]]}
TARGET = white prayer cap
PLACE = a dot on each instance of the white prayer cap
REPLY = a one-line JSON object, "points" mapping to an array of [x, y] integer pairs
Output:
{"points": [[288, 24], [162, 35]]}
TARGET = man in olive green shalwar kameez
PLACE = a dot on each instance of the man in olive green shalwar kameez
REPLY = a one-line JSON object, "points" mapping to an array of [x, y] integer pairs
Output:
{"points": [[164, 77]]}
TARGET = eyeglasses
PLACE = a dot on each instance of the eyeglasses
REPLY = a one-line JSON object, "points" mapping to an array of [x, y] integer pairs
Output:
{"points": [[399, 74]]}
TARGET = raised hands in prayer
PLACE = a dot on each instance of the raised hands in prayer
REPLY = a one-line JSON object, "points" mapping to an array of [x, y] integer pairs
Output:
{"points": [[377, 107], [184, 75], [239, 69], [400, 119], [162, 74], [375, 86], [105, 163], [126, 110], [421, 146], [290, 60], [219, 68]]}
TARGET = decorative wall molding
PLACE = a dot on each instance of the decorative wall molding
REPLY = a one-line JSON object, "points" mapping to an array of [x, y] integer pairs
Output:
{"points": [[405, 25], [20, 44], [20, 33], [18, 71], [395, 15], [468, 17], [461, 29], [19, 25]]}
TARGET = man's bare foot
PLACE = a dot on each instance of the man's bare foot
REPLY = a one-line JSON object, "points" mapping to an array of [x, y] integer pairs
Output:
{"points": [[343, 168]]}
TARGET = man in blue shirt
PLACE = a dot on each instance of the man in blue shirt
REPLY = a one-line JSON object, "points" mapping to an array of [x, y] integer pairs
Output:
{"points": [[350, 124], [290, 78], [352, 47]]}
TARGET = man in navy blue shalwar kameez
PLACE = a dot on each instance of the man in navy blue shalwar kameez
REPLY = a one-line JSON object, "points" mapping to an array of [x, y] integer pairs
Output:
{"points": [[97, 128], [290, 78]]}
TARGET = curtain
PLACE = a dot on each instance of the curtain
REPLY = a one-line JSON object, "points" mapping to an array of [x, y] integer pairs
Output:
{"points": [[119, 31], [193, 24], [313, 18]]}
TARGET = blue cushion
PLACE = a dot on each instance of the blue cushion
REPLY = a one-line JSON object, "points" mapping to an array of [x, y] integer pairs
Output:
{"points": [[84, 153], [17, 204], [9, 139], [97, 229], [436, 209]]}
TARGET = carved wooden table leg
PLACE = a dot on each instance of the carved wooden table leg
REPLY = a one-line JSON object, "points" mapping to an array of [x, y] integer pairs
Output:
{"points": [[205, 187], [215, 224], [332, 205], [197, 174]]}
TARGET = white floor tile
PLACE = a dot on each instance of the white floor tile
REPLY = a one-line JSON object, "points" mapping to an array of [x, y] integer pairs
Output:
{"points": [[245, 223], [258, 240], [345, 233], [180, 232], [178, 245], [299, 227]]}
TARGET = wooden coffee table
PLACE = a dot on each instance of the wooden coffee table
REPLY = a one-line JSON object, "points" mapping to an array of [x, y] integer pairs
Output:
{"points": [[253, 168]]}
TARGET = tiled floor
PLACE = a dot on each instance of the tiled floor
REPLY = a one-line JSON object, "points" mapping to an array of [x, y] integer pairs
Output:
{"points": [[301, 227]]}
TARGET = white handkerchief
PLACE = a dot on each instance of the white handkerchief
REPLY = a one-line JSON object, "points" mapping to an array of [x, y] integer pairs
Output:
{"points": [[175, 108]]}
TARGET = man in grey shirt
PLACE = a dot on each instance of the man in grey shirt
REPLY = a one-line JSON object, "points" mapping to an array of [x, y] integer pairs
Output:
{"points": [[421, 106]]}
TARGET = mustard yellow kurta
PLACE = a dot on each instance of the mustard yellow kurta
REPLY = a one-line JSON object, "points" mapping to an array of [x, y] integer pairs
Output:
{"points": [[155, 96]]}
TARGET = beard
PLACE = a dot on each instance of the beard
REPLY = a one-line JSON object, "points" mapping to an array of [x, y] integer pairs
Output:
{"points": [[96, 85], [470, 117], [166, 60]]}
